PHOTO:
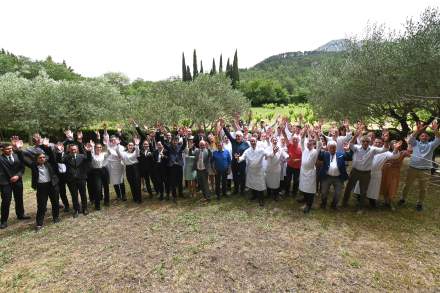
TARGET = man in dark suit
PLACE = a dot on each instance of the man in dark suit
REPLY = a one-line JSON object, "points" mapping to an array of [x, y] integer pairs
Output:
{"points": [[146, 160], [160, 157], [11, 183], [77, 166], [45, 182], [202, 159]]}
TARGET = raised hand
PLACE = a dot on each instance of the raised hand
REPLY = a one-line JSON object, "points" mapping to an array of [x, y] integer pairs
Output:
{"points": [[59, 147], [98, 135], [69, 134], [136, 140], [88, 147], [92, 143], [434, 125], [346, 124], [79, 135], [45, 142]]}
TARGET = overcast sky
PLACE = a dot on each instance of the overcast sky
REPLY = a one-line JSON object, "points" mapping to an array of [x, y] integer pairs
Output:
{"points": [[146, 38]]}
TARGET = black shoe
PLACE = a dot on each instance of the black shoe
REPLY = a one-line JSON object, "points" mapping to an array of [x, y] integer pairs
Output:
{"points": [[419, 207], [3, 225], [60, 206], [323, 205], [24, 217], [85, 212], [261, 202], [66, 209], [98, 208], [306, 209], [38, 228], [56, 220], [75, 214], [124, 198], [401, 202], [301, 200]]}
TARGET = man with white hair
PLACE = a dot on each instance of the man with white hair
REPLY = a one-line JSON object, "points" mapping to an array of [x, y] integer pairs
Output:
{"points": [[275, 156], [332, 173], [254, 172], [239, 146]]}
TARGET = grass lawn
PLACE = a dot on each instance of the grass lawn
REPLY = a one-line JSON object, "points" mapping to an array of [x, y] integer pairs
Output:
{"points": [[231, 245]]}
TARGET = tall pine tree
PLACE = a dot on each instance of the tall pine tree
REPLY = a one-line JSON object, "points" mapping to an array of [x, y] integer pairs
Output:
{"points": [[195, 71], [235, 74], [213, 69], [228, 69], [184, 75], [188, 74], [201, 67], [220, 65]]}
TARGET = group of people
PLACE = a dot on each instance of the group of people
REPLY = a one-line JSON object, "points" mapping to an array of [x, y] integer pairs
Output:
{"points": [[284, 159]]}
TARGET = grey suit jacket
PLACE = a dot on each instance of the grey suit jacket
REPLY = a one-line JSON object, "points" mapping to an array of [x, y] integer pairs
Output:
{"points": [[207, 155]]}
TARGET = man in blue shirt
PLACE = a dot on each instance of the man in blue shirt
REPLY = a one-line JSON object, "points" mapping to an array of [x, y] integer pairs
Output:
{"points": [[239, 145], [221, 159], [420, 164]]}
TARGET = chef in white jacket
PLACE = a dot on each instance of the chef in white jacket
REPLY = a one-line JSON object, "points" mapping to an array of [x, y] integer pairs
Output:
{"points": [[307, 176], [115, 166], [378, 162], [255, 179], [275, 156]]}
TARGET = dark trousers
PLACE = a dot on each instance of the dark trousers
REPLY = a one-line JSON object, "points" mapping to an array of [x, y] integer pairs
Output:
{"points": [[239, 175], [161, 180], [221, 178], [147, 174], [273, 192], [120, 190], [134, 180], [337, 184], [309, 198], [90, 186], [257, 194], [364, 179], [78, 186], [175, 179], [7, 191], [202, 180], [62, 189], [45, 191], [291, 173], [99, 180]]}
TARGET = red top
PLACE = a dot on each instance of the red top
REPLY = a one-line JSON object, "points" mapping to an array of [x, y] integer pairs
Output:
{"points": [[294, 153]]}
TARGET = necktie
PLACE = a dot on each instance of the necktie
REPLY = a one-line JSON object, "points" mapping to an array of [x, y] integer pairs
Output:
{"points": [[10, 159]]}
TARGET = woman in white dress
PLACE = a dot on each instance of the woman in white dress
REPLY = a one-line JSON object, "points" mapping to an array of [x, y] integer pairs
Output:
{"points": [[307, 176], [115, 166], [274, 158]]}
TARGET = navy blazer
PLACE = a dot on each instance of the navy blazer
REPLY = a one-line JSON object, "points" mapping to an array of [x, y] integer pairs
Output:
{"points": [[9, 170], [341, 157]]}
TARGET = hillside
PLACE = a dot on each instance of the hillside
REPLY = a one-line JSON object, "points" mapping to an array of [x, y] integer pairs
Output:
{"points": [[292, 69]]}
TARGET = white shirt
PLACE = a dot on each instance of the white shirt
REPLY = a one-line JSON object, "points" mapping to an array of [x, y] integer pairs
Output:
{"points": [[333, 170], [129, 158], [43, 174], [362, 159], [99, 161]]}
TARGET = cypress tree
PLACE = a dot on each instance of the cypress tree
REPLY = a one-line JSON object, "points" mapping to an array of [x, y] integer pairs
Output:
{"points": [[188, 74], [220, 65], [201, 67], [183, 67], [213, 69], [195, 71], [235, 73], [228, 69]]}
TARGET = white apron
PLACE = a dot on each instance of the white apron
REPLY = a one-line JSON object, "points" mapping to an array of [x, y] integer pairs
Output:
{"points": [[307, 175], [376, 175], [254, 168], [228, 147], [274, 168], [115, 167]]}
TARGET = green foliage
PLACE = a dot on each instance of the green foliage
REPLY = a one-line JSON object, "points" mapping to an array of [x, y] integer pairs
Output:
{"points": [[202, 101], [384, 76], [50, 105], [29, 69], [235, 75], [264, 91], [195, 71]]}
